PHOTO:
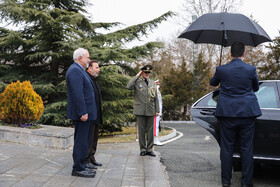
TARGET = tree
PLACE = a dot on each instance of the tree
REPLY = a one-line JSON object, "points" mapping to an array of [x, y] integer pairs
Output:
{"points": [[200, 7], [47, 32], [270, 68], [117, 101], [178, 84], [201, 78]]}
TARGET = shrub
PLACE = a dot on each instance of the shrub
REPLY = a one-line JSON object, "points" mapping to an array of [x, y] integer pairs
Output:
{"points": [[20, 104]]}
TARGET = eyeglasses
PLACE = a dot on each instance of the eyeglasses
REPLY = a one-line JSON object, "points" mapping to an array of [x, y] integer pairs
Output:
{"points": [[147, 72]]}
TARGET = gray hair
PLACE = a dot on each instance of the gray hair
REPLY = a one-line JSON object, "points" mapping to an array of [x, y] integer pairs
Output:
{"points": [[79, 52]]}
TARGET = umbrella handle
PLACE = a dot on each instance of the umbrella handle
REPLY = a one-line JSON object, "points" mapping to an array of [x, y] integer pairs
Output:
{"points": [[224, 42], [221, 54]]}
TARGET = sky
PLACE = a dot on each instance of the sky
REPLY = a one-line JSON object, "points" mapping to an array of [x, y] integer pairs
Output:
{"points": [[132, 12]]}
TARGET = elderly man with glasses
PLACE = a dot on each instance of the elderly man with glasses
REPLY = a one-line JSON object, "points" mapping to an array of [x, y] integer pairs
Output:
{"points": [[146, 107]]}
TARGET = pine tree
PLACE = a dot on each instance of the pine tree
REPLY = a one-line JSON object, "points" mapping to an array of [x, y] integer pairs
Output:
{"points": [[178, 85], [201, 78], [117, 101], [271, 67], [41, 46]]}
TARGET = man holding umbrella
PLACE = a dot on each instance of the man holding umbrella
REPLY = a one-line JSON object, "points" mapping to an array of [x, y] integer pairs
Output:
{"points": [[237, 105], [237, 108]]}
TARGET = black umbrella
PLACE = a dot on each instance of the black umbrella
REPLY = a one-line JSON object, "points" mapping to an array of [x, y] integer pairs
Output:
{"points": [[224, 29]]}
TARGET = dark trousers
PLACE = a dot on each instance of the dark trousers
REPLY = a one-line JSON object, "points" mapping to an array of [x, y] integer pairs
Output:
{"points": [[146, 132], [243, 129], [93, 143], [81, 144]]}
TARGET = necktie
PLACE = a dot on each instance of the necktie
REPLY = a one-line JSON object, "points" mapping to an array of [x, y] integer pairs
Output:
{"points": [[146, 81]]}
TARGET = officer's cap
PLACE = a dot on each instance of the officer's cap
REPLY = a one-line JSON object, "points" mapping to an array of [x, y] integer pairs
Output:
{"points": [[147, 68]]}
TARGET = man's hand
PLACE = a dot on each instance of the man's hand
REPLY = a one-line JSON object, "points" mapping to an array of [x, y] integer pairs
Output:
{"points": [[139, 73], [84, 117], [157, 114]]}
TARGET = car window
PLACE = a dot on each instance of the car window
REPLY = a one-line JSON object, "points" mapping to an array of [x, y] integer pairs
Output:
{"points": [[268, 95], [210, 100], [213, 101]]}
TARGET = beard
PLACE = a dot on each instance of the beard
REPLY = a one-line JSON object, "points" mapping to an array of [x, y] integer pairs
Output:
{"points": [[94, 74]]}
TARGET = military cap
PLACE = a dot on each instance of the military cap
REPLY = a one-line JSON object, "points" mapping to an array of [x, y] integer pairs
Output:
{"points": [[147, 68]]}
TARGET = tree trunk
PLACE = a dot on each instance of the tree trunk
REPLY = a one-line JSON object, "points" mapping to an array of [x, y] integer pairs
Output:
{"points": [[184, 113]]}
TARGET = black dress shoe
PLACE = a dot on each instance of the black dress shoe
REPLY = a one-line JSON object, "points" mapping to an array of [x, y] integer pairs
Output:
{"points": [[151, 153], [247, 185], [225, 185], [91, 166], [90, 170], [143, 153], [85, 173], [96, 163]]}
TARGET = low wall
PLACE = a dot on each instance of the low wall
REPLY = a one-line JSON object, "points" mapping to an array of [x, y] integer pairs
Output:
{"points": [[57, 137], [47, 136]]}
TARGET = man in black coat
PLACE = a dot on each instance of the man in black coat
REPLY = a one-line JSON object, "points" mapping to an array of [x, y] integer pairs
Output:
{"points": [[93, 71]]}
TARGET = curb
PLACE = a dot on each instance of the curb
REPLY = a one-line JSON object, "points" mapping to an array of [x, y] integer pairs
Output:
{"points": [[178, 122], [169, 136], [174, 133]]}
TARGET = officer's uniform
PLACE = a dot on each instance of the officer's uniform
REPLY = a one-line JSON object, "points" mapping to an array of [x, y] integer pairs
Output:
{"points": [[145, 107]]}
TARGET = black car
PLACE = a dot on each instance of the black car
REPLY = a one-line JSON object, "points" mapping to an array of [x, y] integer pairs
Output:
{"points": [[267, 128]]}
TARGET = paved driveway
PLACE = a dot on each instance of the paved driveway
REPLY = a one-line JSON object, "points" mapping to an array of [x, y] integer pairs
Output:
{"points": [[193, 161]]}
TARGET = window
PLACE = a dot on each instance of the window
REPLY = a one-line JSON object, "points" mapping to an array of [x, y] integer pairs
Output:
{"points": [[267, 95], [210, 100]]}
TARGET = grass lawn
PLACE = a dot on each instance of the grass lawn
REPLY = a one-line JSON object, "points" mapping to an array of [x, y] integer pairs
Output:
{"points": [[127, 135]]}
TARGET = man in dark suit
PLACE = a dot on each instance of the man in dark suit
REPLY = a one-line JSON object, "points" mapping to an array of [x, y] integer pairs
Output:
{"points": [[81, 109], [236, 110], [93, 72]]}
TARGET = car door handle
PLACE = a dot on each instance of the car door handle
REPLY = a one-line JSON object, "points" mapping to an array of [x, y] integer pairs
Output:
{"points": [[207, 112]]}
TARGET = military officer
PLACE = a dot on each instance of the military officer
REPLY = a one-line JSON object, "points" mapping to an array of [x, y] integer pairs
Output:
{"points": [[146, 107]]}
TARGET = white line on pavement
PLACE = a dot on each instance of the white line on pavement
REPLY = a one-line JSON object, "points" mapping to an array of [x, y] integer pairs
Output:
{"points": [[173, 139]]}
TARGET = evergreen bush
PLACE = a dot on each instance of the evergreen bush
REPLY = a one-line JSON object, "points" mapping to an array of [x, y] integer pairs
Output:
{"points": [[20, 104]]}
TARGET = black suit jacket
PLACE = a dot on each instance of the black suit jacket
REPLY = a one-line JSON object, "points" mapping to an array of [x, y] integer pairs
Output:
{"points": [[98, 100]]}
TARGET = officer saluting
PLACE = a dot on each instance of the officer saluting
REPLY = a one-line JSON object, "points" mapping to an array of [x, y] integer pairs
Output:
{"points": [[146, 107]]}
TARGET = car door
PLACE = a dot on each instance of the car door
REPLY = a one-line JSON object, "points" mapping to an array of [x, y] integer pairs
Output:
{"points": [[267, 128], [203, 111]]}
